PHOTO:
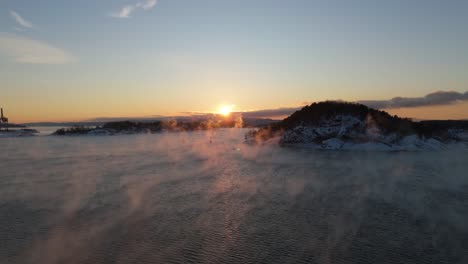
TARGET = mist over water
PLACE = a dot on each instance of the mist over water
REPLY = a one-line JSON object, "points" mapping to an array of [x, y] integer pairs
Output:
{"points": [[206, 197]]}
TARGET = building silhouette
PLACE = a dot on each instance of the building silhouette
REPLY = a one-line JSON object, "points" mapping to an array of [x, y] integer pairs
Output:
{"points": [[3, 120]]}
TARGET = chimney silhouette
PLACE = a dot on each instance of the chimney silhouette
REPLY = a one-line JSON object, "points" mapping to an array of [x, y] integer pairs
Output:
{"points": [[2, 113]]}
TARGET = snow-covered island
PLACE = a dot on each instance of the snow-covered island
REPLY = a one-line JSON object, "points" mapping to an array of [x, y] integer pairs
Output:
{"points": [[349, 126], [134, 127], [15, 130], [23, 132]]}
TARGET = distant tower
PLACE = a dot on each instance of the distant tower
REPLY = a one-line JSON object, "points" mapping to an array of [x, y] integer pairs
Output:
{"points": [[3, 119]]}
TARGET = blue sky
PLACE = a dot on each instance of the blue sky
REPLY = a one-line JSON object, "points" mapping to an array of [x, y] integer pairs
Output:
{"points": [[84, 59]]}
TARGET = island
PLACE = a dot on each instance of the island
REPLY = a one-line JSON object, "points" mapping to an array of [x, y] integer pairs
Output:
{"points": [[338, 125], [171, 125]]}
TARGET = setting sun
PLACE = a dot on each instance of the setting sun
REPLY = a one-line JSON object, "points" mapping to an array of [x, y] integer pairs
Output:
{"points": [[225, 110], [159, 131]]}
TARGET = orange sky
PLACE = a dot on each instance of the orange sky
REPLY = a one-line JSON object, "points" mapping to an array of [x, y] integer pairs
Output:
{"points": [[30, 114], [193, 56], [453, 111]]}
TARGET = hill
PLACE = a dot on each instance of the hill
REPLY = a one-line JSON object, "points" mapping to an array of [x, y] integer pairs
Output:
{"points": [[343, 125]]}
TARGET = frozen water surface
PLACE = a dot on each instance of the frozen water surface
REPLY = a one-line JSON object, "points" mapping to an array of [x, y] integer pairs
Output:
{"points": [[205, 197]]}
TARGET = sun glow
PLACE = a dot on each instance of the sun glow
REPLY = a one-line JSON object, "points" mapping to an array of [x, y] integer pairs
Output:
{"points": [[225, 110]]}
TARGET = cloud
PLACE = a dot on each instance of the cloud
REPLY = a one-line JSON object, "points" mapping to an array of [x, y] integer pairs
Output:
{"points": [[432, 99], [149, 4], [270, 113], [436, 98], [124, 12], [127, 10], [30, 51], [20, 20]]}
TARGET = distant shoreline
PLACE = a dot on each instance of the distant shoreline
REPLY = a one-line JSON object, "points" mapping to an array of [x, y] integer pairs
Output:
{"points": [[326, 125]]}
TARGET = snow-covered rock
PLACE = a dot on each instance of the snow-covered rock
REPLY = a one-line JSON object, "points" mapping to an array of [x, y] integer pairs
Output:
{"points": [[303, 134], [371, 146], [349, 133], [332, 143], [411, 140], [101, 132], [389, 139], [18, 133], [433, 144], [458, 134], [339, 126]]}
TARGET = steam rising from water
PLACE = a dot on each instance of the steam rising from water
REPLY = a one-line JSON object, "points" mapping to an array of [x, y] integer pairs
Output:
{"points": [[207, 197]]}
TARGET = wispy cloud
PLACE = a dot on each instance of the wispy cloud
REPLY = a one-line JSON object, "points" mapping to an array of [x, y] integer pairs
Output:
{"points": [[149, 4], [124, 12], [20, 20], [436, 98], [127, 10], [271, 113], [25, 50]]}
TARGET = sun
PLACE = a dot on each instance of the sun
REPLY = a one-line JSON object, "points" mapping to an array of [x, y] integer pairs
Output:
{"points": [[225, 110]]}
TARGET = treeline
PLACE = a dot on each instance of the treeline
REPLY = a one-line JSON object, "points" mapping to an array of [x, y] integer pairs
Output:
{"points": [[317, 112], [440, 128], [150, 127], [73, 130]]}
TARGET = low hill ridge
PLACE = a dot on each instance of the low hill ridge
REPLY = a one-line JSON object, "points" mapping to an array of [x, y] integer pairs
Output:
{"points": [[343, 125]]}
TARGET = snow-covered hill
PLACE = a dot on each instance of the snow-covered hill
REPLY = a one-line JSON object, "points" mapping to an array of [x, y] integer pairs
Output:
{"points": [[345, 126], [347, 132]]}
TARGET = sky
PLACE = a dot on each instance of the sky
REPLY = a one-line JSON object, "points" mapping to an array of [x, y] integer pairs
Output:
{"points": [[80, 60]]}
